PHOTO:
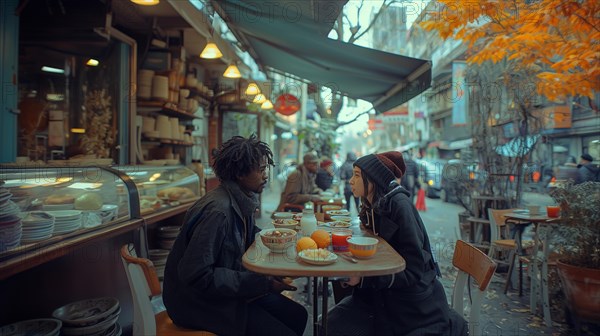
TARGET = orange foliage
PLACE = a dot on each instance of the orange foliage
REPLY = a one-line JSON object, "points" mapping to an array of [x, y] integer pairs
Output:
{"points": [[562, 37]]}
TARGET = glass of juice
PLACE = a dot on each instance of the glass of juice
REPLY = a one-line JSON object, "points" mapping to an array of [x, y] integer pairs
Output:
{"points": [[338, 239], [553, 211]]}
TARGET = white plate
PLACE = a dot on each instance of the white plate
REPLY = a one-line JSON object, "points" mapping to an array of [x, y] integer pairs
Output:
{"points": [[84, 312], [32, 327], [66, 214], [330, 259], [341, 212], [521, 211]]}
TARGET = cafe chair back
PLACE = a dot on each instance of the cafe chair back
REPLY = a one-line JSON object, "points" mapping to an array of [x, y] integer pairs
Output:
{"points": [[144, 285], [471, 263]]}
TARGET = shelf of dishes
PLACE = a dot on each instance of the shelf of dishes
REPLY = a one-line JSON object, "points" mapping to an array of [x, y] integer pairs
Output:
{"points": [[168, 109], [57, 208]]}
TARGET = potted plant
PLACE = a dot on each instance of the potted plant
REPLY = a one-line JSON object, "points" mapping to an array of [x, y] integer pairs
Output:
{"points": [[579, 235]]}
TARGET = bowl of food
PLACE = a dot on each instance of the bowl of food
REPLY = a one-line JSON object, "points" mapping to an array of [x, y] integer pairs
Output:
{"points": [[346, 219], [284, 223], [278, 240], [362, 247]]}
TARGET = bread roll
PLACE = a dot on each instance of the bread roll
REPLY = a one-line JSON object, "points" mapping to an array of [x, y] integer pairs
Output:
{"points": [[175, 193], [59, 199]]}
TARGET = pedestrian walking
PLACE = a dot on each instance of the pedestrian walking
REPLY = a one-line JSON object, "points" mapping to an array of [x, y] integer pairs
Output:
{"points": [[587, 170]]}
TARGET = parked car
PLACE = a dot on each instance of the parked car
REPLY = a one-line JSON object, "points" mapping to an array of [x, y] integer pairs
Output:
{"points": [[430, 173]]}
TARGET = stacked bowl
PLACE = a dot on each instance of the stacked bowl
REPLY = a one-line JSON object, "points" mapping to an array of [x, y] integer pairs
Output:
{"points": [[167, 235], [37, 226], [11, 229], [91, 317], [159, 259], [66, 220], [38, 327]]}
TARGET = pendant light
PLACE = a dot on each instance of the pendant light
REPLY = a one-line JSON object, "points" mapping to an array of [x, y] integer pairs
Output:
{"points": [[259, 99], [252, 89], [232, 71], [267, 105], [146, 2], [211, 51]]}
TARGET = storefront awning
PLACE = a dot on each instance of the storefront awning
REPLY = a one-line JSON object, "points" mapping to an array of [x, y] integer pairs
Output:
{"points": [[517, 147], [287, 37]]}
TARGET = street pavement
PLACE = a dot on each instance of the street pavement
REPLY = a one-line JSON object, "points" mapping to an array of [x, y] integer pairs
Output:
{"points": [[501, 314]]}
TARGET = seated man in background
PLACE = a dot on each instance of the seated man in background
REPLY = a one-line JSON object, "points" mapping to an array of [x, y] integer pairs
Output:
{"points": [[300, 186]]}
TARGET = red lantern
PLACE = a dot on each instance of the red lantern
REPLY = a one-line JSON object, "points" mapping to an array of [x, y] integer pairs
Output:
{"points": [[287, 104]]}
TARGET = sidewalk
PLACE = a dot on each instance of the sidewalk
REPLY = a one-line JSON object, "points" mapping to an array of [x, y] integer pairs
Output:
{"points": [[501, 314]]}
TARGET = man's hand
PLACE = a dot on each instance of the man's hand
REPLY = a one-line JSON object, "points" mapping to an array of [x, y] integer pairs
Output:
{"points": [[279, 284]]}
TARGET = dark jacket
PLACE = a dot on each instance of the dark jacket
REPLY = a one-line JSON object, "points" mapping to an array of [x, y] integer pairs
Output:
{"points": [[206, 287], [411, 302], [346, 171], [587, 172], [323, 180]]}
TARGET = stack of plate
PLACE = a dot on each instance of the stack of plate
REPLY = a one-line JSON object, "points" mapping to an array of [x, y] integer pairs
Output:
{"points": [[11, 229], [41, 327], [167, 236], [66, 220], [7, 207], [159, 259], [92, 317], [37, 225]]}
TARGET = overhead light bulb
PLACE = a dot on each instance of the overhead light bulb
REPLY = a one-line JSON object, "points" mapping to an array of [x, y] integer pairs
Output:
{"points": [[252, 89], [211, 51], [146, 2], [92, 62], [259, 99], [267, 105], [232, 71]]}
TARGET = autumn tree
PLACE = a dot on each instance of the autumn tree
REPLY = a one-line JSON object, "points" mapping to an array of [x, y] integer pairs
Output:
{"points": [[557, 39]]}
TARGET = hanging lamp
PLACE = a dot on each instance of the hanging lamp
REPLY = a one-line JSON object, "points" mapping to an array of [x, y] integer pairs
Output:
{"points": [[267, 105], [146, 2], [211, 51], [232, 71], [252, 89], [259, 99]]}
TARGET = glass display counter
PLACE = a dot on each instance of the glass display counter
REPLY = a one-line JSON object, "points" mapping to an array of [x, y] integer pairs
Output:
{"points": [[46, 211]]}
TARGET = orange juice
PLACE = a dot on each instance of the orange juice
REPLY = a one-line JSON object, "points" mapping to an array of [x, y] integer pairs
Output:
{"points": [[338, 239]]}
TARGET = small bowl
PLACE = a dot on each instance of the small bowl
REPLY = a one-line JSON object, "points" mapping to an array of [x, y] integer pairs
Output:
{"points": [[284, 223], [283, 215], [278, 243], [533, 209], [347, 219], [362, 247], [337, 212]]}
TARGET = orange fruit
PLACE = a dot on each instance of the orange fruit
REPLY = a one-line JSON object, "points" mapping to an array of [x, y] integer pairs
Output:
{"points": [[321, 237], [305, 243]]}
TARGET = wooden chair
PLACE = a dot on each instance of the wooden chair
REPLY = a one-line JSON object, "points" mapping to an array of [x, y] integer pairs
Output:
{"points": [[498, 232], [144, 285], [471, 262]]}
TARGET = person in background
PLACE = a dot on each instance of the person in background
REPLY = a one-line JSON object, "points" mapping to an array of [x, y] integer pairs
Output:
{"points": [[324, 178], [411, 302], [587, 170], [205, 285], [300, 186], [410, 180], [345, 175]]}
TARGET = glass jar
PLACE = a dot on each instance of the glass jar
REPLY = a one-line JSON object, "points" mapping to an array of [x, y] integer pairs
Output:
{"points": [[308, 223]]}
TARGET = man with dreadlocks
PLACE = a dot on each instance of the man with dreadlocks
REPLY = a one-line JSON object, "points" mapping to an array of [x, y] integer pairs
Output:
{"points": [[205, 286]]}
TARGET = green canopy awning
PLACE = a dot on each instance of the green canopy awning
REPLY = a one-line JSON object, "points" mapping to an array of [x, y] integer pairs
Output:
{"points": [[292, 38]]}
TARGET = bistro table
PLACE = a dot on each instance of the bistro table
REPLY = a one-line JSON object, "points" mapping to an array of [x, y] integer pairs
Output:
{"points": [[259, 259], [539, 259]]}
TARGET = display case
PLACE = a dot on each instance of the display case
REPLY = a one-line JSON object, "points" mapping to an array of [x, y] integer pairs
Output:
{"points": [[46, 212], [163, 191]]}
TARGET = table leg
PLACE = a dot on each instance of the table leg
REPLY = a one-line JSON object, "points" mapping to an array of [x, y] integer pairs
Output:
{"points": [[324, 298], [315, 305]]}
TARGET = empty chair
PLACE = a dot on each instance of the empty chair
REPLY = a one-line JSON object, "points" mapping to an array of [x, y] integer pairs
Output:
{"points": [[144, 285], [498, 229], [471, 262]]}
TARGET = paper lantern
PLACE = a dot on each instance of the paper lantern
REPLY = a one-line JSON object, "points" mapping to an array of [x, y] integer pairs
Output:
{"points": [[287, 104]]}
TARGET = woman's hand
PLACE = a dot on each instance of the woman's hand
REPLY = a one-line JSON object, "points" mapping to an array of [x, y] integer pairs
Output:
{"points": [[352, 281]]}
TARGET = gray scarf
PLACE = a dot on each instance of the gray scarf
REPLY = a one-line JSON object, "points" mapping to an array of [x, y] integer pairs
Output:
{"points": [[247, 203]]}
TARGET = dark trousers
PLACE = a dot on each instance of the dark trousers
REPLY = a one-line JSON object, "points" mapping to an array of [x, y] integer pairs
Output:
{"points": [[275, 314]]}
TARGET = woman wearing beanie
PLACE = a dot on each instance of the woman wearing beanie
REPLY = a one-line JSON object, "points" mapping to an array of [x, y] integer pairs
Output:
{"points": [[411, 302]]}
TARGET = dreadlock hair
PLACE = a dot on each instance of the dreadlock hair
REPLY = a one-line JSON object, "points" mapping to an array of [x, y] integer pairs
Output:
{"points": [[239, 156]]}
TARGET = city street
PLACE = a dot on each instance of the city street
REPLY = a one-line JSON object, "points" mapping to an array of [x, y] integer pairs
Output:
{"points": [[500, 314]]}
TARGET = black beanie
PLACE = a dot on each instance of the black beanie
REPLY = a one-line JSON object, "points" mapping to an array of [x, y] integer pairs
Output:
{"points": [[382, 168]]}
